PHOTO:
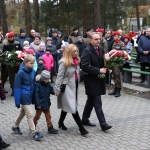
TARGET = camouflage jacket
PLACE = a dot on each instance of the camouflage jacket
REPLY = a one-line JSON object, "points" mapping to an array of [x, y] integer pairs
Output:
{"points": [[104, 44], [1, 47], [118, 46]]}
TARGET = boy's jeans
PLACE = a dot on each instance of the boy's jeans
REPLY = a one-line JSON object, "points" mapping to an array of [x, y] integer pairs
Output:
{"points": [[26, 110]]}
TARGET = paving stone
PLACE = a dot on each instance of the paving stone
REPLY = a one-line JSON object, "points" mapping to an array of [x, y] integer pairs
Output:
{"points": [[129, 116]]}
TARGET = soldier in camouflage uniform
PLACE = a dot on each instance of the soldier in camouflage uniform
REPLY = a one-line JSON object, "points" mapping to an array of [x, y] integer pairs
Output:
{"points": [[73, 37], [86, 37], [118, 45], [9, 46], [103, 42]]}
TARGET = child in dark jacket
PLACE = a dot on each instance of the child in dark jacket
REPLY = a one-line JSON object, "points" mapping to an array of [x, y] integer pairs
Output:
{"points": [[23, 92], [42, 92], [41, 66]]}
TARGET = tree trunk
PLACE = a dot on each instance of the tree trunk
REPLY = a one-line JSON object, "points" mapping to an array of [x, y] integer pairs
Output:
{"points": [[36, 15], [96, 16], [3, 16], [27, 11], [137, 15], [84, 15]]}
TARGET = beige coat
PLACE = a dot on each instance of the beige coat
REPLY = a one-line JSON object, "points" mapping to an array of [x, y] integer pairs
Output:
{"points": [[67, 100], [86, 40], [72, 39]]}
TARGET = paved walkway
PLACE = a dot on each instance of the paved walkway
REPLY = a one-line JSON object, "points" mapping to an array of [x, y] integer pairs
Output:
{"points": [[129, 116]]}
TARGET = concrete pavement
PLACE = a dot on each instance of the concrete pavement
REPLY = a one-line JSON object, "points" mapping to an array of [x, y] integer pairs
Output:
{"points": [[129, 116]]}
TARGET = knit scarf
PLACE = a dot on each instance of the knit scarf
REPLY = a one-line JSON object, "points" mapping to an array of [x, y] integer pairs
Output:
{"points": [[75, 61]]}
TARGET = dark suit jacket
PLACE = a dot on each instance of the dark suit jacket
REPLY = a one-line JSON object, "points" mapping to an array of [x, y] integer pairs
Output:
{"points": [[91, 64]]}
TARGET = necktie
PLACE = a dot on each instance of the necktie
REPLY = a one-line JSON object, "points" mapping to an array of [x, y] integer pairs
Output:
{"points": [[97, 51]]}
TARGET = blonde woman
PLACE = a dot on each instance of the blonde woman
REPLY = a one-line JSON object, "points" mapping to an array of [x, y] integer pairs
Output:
{"points": [[66, 87]]}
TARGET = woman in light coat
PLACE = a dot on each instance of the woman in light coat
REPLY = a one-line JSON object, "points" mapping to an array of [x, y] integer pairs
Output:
{"points": [[66, 87]]}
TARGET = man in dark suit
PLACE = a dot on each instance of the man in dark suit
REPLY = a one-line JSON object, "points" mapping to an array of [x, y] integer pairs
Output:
{"points": [[92, 63]]}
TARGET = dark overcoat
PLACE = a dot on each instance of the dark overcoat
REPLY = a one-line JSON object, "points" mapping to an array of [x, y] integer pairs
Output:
{"points": [[144, 45], [91, 64]]}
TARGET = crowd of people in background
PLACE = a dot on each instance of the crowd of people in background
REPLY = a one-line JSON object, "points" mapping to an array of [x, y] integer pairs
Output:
{"points": [[54, 57]]}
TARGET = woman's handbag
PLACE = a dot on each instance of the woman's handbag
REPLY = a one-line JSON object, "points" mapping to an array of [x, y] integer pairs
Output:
{"points": [[62, 88]]}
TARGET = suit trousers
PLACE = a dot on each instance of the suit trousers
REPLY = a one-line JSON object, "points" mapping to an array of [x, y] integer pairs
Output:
{"points": [[143, 65], [47, 116], [94, 101], [26, 110]]}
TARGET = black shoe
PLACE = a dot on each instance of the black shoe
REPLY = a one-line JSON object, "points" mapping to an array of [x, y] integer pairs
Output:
{"points": [[106, 127], [142, 81], [113, 92], [3, 144], [118, 92], [62, 126], [88, 123], [84, 132], [52, 130]]}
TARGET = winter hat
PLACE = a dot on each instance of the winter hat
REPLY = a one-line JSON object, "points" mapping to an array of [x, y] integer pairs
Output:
{"points": [[42, 44], [40, 58], [126, 37], [79, 36], [30, 51], [11, 34], [64, 45], [48, 38], [45, 74], [25, 42], [116, 33], [100, 30], [74, 29], [22, 30], [58, 32]]}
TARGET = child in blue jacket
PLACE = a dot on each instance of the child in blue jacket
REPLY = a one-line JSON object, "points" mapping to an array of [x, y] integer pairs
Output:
{"points": [[23, 92], [42, 92]]}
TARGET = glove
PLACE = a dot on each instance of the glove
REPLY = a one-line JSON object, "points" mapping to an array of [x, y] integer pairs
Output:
{"points": [[18, 106]]}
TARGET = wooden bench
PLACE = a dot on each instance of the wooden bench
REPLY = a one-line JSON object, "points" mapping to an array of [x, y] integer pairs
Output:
{"points": [[128, 75]]}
